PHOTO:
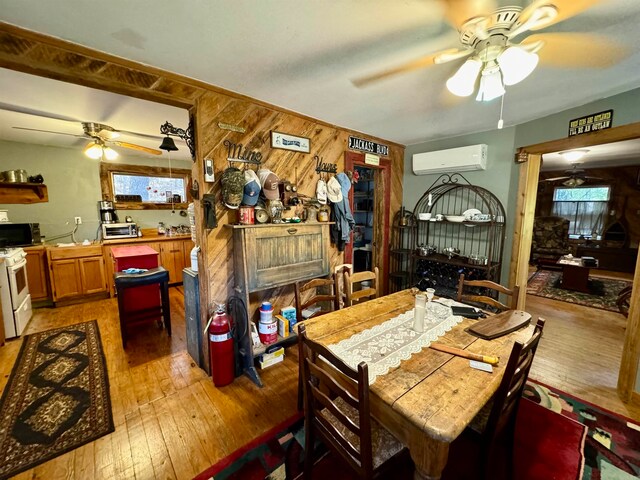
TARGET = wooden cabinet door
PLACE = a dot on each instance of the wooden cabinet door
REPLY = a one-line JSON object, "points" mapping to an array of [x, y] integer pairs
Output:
{"points": [[65, 279], [171, 258], [37, 273], [92, 275], [187, 246]]}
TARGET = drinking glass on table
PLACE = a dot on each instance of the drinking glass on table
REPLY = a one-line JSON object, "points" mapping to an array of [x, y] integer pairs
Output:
{"points": [[430, 293]]}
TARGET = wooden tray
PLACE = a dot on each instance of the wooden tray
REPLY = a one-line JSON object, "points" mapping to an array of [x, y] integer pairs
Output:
{"points": [[500, 324]]}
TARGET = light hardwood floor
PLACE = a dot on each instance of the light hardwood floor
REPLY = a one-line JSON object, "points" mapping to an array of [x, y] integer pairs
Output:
{"points": [[171, 422]]}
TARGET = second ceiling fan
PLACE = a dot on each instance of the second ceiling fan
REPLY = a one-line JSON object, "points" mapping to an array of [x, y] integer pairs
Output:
{"points": [[494, 58]]}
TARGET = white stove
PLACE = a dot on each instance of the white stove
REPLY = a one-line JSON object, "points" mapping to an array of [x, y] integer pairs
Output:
{"points": [[14, 291]]}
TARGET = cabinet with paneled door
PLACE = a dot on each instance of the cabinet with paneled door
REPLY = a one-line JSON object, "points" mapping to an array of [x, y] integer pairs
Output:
{"points": [[76, 271], [172, 259], [37, 273]]}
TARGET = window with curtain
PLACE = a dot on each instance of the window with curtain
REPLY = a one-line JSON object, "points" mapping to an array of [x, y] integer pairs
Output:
{"points": [[584, 207]]}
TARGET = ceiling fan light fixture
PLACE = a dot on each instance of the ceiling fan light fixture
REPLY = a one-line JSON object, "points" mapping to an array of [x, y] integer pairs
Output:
{"points": [[110, 153], [463, 82], [516, 64], [491, 86], [93, 151], [573, 182], [573, 155]]}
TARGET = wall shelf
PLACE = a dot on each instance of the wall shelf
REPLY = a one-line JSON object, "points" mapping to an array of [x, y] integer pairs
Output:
{"points": [[23, 193]]}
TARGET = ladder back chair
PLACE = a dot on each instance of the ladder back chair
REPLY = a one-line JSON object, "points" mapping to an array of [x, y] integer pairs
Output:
{"points": [[485, 299], [498, 419], [354, 296], [338, 275], [328, 300], [336, 409]]}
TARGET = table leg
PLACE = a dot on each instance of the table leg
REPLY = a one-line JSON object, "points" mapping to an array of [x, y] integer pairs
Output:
{"points": [[429, 456]]}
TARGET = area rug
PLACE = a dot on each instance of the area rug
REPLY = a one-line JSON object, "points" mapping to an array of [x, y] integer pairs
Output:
{"points": [[612, 445], [557, 437], [603, 295], [57, 397]]}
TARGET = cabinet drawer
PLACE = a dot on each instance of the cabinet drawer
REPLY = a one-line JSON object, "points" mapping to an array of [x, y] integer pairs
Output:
{"points": [[61, 253]]}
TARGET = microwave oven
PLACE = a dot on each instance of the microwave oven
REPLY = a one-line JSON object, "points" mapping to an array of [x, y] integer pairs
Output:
{"points": [[119, 230], [19, 234]]}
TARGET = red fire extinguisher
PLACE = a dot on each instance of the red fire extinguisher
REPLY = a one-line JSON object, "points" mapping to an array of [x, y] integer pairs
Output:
{"points": [[221, 347]]}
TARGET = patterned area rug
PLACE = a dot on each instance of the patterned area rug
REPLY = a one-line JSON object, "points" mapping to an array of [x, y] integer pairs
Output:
{"points": [[612, 446], [604, 291], [57, 397], [551, 442]]}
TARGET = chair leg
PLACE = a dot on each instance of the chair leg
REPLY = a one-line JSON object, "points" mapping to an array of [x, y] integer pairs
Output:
{"points": [[308, 450], [121, 316], [166, 311]]}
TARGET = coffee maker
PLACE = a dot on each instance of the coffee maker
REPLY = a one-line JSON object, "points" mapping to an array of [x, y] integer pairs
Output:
{"points": [[107, 212]]}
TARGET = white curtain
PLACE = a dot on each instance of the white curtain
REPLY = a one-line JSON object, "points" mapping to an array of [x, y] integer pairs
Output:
{"points": [[587, 218]]}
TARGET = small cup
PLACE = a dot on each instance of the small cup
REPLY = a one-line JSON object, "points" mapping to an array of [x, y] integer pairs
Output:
{"points": [[430, 293], [439, 217]]}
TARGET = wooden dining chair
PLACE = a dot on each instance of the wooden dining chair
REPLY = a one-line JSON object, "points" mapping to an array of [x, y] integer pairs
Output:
{"points": [[497, 420], [473, 294], [336, 409], [323, 295], [338, 275], [354, 295]]}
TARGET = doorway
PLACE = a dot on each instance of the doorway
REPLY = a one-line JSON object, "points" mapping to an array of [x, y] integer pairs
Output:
{"points": [[370, 203]]}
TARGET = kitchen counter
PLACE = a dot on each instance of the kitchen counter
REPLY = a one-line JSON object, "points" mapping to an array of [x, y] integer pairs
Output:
{"points": [[146, 238]]}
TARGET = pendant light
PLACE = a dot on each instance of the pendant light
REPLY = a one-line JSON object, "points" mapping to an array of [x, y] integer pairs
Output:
{"points": [[463, 82], [93, 150], [491, 86], [516, 64]]}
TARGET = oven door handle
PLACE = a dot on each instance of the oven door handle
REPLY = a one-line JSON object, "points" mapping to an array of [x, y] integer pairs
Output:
{"points": [[17, 266]]}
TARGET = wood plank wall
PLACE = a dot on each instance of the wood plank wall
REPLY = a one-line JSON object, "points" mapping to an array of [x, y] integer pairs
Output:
{"points": [[39, 54]]}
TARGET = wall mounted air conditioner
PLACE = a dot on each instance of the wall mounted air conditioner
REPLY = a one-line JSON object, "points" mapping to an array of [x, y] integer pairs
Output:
{"points": [[462, 159]]}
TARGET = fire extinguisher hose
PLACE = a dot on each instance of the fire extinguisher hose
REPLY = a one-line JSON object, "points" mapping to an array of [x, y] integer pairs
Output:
{"points": [[239, 332]]}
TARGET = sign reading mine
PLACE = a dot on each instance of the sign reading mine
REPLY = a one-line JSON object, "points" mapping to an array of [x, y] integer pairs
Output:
{"points": [[590, 123], [363, 145]]}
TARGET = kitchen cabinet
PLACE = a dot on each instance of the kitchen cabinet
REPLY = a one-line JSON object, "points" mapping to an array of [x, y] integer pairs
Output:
{"points": [[76, 271], [172, 259], [37, 273]]}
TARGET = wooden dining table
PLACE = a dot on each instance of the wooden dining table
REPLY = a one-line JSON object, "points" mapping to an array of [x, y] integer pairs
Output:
{"points": [[430, 398]]}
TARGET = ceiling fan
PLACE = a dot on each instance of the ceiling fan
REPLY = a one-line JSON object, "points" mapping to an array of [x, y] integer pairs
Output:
{"points": [[574, 177], [488, 38], [101, 135]]}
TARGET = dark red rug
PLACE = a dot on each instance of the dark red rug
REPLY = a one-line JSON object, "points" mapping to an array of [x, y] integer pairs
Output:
{"points": [[557, 437]]}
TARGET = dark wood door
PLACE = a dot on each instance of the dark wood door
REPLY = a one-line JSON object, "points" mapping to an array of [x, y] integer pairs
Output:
{"points": [[381, 221]]}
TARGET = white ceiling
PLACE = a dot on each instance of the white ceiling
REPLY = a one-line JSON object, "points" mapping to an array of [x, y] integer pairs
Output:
{"points": [[616, 154], [40, 103], [302, 54]]}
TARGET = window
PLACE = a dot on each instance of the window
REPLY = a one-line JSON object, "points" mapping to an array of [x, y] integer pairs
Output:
{"points": [[154, 189], [155, 186], [584, 207]]}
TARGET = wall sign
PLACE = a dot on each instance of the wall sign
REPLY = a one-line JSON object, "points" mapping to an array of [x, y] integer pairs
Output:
{"points": [[233, 128], [371, 159], [590, 123], [290, 142], [363, 145], [324, 167], [236, 154]]}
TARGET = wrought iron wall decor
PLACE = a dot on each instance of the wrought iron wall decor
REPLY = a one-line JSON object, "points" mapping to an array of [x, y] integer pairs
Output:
{"points": [[235, 153], [187, 135], [325, 167]]}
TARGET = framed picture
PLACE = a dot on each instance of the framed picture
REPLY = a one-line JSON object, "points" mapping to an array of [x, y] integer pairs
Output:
{"points": [[290, 142]]}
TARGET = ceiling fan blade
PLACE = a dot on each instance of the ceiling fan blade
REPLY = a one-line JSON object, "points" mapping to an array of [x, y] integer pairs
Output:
{"points": [[141, 135], [422, 62], [48, 131], [577, 50], [37, 113], [457, 12], [555, 179], [566, 9], [140, 148]]}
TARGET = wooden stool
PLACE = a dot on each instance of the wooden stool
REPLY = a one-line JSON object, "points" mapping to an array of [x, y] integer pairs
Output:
{"points": [[152, 276]]}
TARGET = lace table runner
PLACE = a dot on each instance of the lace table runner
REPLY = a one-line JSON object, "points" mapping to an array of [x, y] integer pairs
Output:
{"points": [[384, 346]]}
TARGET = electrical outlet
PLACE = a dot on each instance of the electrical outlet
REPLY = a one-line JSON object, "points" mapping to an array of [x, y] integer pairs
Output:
{"points": [[78, 220]]}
